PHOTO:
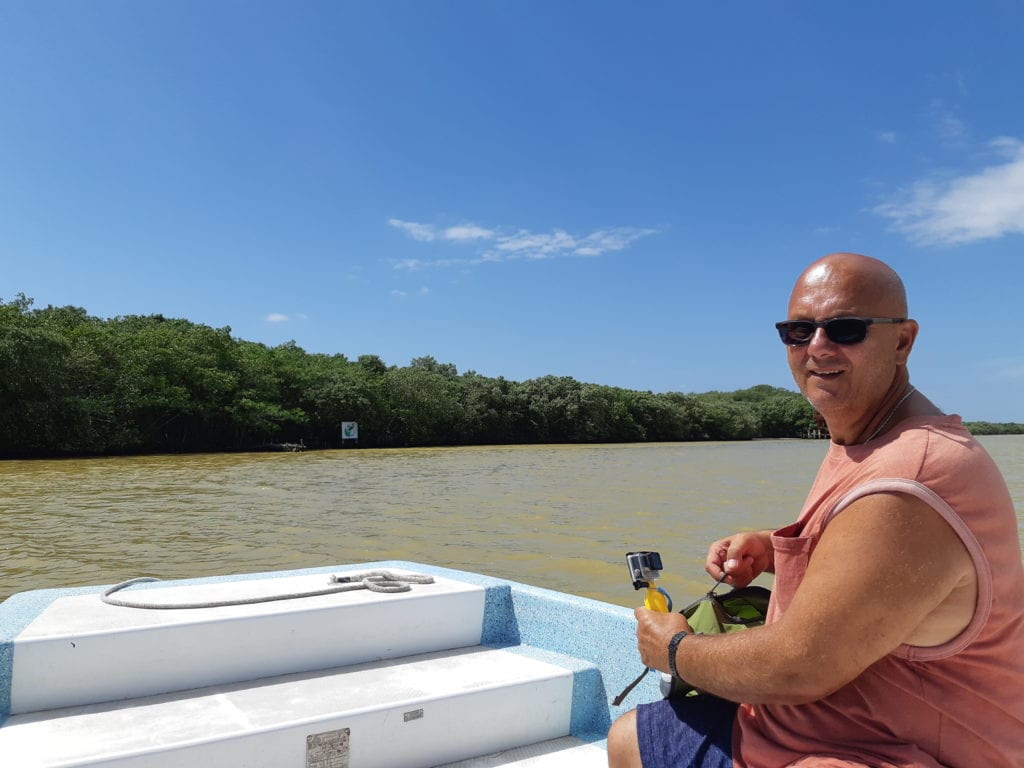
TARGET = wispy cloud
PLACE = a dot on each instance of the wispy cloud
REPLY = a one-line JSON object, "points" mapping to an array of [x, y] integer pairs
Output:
{"points": [[400, 294], [951, 129], [1004, 369], [413, 264], [467, 232], [496, 246], [963, 209], [886, 137], [422, 232], [961, 82], [280, 317]]}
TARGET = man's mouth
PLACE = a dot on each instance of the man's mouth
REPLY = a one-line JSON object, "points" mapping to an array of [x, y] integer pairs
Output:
{"points": [[827, 374]]}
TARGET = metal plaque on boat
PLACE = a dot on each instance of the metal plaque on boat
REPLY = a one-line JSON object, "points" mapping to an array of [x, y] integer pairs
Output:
{"points": [[328, 749]]}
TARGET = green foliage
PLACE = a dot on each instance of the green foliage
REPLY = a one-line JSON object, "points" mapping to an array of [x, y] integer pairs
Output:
{"points": [[76, 384], [32, 355], [988, 428]]}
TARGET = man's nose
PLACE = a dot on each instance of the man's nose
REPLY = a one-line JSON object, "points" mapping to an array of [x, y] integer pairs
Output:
{"points": [[820, 339]]}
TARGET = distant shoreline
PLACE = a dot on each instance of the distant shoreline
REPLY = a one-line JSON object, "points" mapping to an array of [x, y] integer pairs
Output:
{"points": [[1017, 429]]}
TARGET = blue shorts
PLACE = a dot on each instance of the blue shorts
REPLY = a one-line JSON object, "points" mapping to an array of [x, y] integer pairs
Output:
{"points": [[686, 732]]}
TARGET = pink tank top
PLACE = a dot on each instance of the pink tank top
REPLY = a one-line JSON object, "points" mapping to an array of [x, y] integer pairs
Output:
{"points": [[957, 705]]}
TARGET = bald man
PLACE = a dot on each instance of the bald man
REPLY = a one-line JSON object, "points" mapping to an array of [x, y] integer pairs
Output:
{"points": [[895, 637]]}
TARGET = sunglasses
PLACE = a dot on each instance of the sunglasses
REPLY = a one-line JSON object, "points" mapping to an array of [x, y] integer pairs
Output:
{"points": [[840, 330]]}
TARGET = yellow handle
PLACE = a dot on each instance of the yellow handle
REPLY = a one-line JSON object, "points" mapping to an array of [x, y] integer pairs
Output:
{"points": [[654, 600]]}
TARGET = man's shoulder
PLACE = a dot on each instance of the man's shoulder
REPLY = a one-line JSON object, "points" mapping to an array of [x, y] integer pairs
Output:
{"points": [[936, 440], [943, 426], [941, 445], [937, 453]]}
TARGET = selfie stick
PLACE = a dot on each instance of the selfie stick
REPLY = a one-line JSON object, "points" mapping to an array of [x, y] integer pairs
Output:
{"points": [[644, 570]]}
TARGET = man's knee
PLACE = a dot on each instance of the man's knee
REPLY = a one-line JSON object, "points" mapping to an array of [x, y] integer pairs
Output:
{"points": [[623, 747]]}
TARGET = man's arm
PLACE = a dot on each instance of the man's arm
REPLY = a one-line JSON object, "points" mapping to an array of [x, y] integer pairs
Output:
{"points": [[880, 569]]}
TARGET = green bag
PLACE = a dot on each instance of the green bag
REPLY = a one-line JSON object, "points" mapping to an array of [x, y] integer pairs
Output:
{"points": [[713, 614], [716, 614]]}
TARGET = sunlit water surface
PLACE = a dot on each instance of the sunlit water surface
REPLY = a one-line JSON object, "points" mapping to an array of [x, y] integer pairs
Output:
{"points": [[553, 516]]}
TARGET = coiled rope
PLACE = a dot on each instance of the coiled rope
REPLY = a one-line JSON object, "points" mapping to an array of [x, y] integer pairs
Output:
{"points": [[374, 581]]}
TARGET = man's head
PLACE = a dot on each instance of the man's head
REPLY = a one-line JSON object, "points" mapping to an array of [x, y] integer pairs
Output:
{"points": [[849, 383]]}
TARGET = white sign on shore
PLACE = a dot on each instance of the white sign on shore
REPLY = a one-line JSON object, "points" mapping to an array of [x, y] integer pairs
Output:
{"points": [[349, 430]]}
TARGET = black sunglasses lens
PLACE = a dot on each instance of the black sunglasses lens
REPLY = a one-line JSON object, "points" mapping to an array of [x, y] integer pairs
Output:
{"points": [[841, 330], [796, 332], [846, 330]]}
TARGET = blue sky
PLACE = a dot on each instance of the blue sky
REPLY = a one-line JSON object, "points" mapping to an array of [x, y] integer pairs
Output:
{"points": [[619, 192]]}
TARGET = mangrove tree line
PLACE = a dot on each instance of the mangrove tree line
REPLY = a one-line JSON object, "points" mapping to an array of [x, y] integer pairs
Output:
{"points": [[74, 384]]}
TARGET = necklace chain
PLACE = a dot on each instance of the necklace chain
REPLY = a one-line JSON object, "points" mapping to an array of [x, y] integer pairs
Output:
{"points": [[892, 413]]}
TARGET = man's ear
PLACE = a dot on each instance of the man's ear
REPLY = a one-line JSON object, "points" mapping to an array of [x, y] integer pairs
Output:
{"points": [[905, 341]]}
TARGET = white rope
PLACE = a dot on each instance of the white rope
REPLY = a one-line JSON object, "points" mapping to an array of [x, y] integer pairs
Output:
{"points": [[374, 581]]}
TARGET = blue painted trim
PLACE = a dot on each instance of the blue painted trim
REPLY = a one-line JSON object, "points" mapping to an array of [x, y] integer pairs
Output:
{"points": [[601, 634], [16, 613]]}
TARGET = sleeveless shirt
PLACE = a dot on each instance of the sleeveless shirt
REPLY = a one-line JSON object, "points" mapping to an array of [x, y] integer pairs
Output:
{"points": [[955, 705]]}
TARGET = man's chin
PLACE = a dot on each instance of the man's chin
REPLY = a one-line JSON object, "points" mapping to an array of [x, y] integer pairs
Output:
{"points": [[825, 396]]}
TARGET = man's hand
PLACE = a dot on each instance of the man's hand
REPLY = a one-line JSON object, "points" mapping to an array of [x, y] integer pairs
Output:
{"points": [[744, 556], [653, 632]]}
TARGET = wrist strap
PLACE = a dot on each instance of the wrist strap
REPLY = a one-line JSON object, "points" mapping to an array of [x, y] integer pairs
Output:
{"points": [[672, 645]]}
